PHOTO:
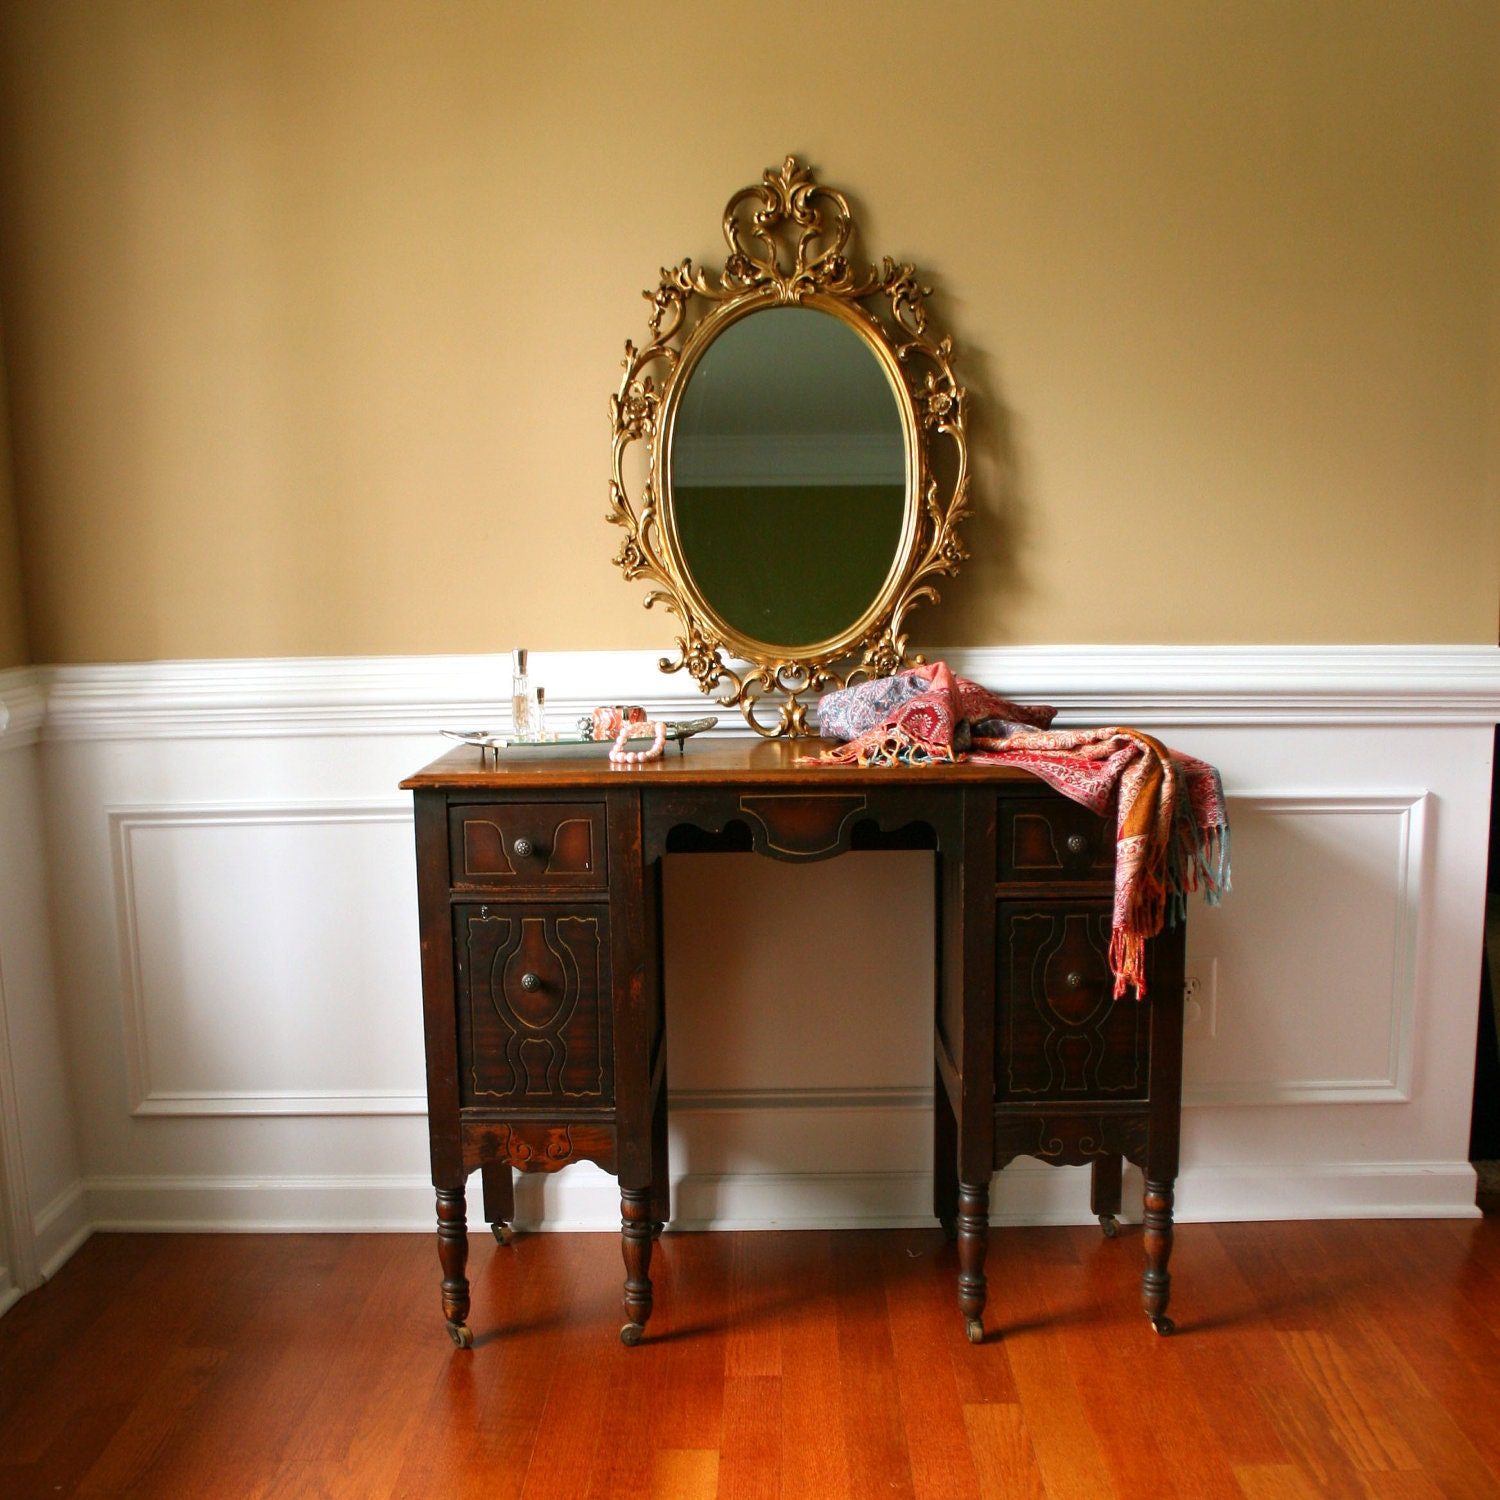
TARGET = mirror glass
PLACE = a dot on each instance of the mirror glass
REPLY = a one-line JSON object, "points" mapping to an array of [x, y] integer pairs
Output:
{"points": [[787, 465]]}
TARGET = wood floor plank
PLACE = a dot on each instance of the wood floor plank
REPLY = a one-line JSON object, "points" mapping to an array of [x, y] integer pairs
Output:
{"points": [[1356, 1417], [698, 1302], [869, 1387], [1454, 1355], [163, 1406], [1222, 1347], [752, 1341], [1410, 1484], [1306, 1433], [1274, 1482], [1143, 1408], [1067, 1452], [919, 1312], [1000, 1446], [567, 1436], [814, 1457], [685, 1474], [1360, 1357], [1440, 1446], [750, 1449]]}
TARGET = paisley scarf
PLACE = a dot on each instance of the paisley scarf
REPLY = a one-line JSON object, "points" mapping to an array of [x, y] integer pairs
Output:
{"points": [[1171, 823]]}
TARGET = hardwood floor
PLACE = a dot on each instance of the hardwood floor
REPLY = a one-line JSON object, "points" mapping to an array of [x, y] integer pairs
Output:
{"points": [[1340, 1358]]}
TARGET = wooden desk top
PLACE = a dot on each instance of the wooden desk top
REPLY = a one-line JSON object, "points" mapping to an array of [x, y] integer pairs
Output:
{"points": [[703, 763]]}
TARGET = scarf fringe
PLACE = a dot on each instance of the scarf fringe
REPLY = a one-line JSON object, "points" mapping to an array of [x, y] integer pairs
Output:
{"points": [[895, 746], [1127, 961]]}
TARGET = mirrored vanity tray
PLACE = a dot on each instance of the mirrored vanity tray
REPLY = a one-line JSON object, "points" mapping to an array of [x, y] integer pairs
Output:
{"points": [[570, 745]]}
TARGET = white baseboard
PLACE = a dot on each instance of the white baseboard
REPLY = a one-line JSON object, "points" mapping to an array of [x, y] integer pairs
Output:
{"points": [[584, 1199], [60, 1228], [1342, 1190]]}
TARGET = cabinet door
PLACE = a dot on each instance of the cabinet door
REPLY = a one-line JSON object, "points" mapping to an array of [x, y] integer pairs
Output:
{"points": [[533, 998], [1060, 1035]]}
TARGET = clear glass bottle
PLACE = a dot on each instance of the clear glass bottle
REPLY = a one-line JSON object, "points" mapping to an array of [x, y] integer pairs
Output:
{"points": [[539, 723], [522, 701]]}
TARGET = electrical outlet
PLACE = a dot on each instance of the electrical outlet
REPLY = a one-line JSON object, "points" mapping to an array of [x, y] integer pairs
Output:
{"points": [[1200, 1000]]}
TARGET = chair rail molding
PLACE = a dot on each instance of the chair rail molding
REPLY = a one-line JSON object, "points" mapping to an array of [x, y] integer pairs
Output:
{"points": [[1088, 683]]}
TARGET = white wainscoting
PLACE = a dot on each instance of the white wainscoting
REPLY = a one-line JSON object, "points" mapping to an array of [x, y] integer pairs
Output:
{"points": [[236, 960], [42, 1218]]}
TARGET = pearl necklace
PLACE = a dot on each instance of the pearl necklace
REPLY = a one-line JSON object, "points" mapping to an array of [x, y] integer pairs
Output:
{"points": [[620, 756]]}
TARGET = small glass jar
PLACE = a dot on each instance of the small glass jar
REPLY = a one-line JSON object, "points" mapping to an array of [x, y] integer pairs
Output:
{"points": [[523, 710]]}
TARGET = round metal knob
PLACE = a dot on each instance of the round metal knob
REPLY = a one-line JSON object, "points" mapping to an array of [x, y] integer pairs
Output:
{"points": [[1077, 844], [1075, 981], [531, 982], [523, 848]]}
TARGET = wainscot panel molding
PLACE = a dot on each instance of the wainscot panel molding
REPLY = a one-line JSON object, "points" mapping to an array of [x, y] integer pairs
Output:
{"points": [[205, 977], [238, 981]]}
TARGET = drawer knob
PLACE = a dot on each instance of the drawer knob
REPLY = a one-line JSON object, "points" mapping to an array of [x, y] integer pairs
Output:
{"points": [[523, 848], [1075, 980], [531, 982], [1077, 844]]}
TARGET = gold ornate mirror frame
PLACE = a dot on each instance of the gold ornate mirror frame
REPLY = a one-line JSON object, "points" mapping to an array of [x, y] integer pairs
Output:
{"points": [[787, 236]]}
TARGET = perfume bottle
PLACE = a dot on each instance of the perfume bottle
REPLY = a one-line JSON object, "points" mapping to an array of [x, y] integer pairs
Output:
{"points": [[523, 714], [539, 723]]}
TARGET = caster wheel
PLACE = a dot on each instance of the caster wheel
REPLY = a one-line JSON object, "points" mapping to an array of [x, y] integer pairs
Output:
{"points": [[462, 1335], [950, 1230], [975, 1330], [504, 1235], [630, 1334], [1110, 1225], [1163, 1325]]}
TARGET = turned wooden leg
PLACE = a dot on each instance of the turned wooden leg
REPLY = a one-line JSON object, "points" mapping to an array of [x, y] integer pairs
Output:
{"points": [[944, 1158], [661, 1182], [1104, 1193], [635, 1243], [1156, 1284], [453, 1255], [973, 1241], [499, 1199]]}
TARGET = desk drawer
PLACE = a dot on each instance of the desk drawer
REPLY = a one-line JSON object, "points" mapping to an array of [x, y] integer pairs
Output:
{"points": [[534, 1019], [1051, 839], [528, 845], [1059, 1033]]}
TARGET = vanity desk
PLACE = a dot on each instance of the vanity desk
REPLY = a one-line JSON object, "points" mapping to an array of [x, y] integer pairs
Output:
{"points": [[539, 884]]}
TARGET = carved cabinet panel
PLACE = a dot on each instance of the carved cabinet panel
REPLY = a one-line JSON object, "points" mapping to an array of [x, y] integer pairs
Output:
{"points": [[528, 845], [1060, 1034], [533, 999]]}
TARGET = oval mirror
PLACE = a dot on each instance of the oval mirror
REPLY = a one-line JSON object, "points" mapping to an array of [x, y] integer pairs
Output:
{"points": [[791, 407], [787, 463]]}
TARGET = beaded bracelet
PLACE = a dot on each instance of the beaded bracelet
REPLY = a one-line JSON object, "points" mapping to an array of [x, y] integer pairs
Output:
{"points": [[620, 756]]}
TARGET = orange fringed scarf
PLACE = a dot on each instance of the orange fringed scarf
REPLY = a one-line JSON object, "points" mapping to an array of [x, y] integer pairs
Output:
{"points": [[1171, 825]]}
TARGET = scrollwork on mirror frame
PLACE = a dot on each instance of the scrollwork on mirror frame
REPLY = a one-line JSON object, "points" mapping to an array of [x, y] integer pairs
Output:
{"points": [[787, 237]]}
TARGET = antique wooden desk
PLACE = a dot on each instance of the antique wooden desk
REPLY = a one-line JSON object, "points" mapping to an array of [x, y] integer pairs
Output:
{"points": [[540, 895]]}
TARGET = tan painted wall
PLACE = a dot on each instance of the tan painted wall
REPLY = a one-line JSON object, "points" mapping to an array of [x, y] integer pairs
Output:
{"points": [[13, 652], [313, 307]]}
